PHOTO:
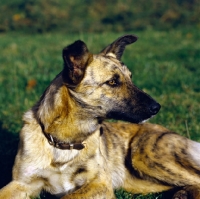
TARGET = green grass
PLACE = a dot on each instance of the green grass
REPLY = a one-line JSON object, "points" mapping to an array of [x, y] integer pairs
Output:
{"points": [[164, 64], [96, 16]]}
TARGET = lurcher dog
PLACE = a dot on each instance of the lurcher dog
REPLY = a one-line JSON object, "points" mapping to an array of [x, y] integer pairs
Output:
{"points": [[67, 149]]}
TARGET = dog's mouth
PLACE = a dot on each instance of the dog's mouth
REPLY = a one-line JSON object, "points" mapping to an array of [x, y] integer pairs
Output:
{"points": [[146, 120], [137, 117], [127, 117]]}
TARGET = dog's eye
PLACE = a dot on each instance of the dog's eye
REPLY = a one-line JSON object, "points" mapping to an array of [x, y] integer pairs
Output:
{"points": [[112, 82]]}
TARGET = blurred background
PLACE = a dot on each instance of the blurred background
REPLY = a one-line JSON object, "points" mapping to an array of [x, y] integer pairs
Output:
{"points": [[165, 61], [40, 16]]}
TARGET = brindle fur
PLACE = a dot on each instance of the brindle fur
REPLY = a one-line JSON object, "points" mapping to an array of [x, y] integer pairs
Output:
{"points": [[140, 158]]}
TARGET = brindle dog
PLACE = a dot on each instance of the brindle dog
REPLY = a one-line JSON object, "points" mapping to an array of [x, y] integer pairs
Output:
{"points": [[67, 149]]}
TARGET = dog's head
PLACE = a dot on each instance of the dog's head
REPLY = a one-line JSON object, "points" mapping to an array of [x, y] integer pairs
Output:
{"points": [[102, 83]]}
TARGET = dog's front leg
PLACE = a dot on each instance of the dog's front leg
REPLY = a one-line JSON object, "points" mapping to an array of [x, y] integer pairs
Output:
{"points": [[16, 190], [93, 190]]}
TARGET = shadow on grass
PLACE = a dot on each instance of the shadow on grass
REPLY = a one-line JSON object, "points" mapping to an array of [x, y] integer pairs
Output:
{"points": [[8, 149]]}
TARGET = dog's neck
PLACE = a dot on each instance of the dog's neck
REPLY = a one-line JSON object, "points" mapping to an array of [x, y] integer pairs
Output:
{"points": [[61, 116]]}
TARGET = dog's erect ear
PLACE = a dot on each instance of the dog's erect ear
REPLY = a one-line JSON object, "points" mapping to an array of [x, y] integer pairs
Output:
{"points": [[76, 57], [116, 49]]}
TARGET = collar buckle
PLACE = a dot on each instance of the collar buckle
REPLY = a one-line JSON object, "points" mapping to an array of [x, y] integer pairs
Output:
{"points": [[71, 146], [51, 140]]}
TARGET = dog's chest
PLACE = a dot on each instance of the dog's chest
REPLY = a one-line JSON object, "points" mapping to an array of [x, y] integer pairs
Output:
{"points": [[59, 176], [58, 182], [68, 171]]}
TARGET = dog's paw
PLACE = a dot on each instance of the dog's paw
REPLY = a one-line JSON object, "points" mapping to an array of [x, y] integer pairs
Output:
{"points": [[181, 194]]}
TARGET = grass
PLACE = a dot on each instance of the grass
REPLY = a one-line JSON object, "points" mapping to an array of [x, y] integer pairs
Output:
{"points": [[164, 64], [44, 16]]}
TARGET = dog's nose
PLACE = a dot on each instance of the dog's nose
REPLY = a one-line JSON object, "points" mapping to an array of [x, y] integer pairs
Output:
{"points": [[154, 108]]}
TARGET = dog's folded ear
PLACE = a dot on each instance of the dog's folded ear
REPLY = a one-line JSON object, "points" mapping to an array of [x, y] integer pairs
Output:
{"points": [[117, 48], [76, 58]]}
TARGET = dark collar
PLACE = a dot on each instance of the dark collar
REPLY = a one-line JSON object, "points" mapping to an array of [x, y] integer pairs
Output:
{"points": [[62, 145]]}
